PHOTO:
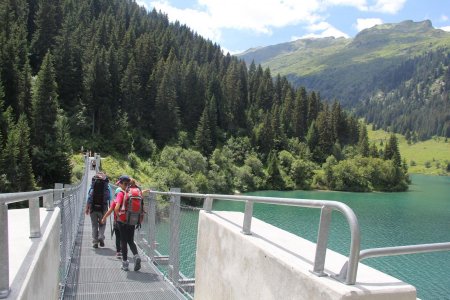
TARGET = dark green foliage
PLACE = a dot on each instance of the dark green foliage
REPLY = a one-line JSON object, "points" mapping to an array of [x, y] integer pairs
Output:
{"points": [[363, 141], [274, 178], [48, 22], [114, 78], [414, 97], [362, 174], [51, 144], [391, 151], [203, 139], [17, 173], [393, 75]]}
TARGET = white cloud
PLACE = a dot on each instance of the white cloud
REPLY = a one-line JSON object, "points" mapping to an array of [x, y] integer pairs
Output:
{"points": [[444, 18], [446, 28], [199, 21], [367, 23], [320, 30], [387, 6], [382, 6], [259, 16], [142, 3], [210, 17], [359, 4]]}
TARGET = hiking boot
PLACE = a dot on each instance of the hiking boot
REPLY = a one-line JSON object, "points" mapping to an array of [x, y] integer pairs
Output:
{"points": [[125, 265], [102, 243], [95, 245], [118, 255], [137, 262]]}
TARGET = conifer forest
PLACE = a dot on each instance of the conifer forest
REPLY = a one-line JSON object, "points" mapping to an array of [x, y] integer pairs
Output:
{"points": [[108, 75]]}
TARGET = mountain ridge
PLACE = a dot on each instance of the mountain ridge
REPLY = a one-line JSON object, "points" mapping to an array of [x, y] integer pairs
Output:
{"points": [[378, 60]]}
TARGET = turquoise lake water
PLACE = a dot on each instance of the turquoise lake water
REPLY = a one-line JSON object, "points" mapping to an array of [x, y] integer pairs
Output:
{"points": [[421, 215]]}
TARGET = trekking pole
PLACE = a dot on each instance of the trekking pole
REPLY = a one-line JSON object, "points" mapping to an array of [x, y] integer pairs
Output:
{"points": [[111, 226], [110, 223]]}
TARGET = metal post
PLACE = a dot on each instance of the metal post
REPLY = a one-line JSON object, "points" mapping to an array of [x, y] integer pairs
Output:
{"points": [[322, 241], [174, 255], [207, 205], [97, 162], [35, 218], [152, 225], [248, 214], [48, 202], [4, 254], [58, 195]]}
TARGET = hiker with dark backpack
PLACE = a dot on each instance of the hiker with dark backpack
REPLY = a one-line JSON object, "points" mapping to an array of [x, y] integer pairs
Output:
{"points": [[130, 212], [97, 203]]}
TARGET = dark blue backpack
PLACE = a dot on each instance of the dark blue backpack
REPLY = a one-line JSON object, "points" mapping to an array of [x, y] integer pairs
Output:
{"points": [[100, 191]]}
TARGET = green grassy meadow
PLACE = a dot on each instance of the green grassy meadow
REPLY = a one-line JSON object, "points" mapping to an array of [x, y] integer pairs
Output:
{"points": [[427, 157]]}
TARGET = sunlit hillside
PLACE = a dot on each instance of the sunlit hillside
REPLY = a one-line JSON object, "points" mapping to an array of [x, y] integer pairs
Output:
{"points": [[426, 157]]}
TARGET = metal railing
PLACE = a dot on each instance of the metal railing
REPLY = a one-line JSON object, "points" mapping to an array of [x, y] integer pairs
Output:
{"points": [[71, 204], [324, 224], [71, 199], [51, 197], [349, 270]]}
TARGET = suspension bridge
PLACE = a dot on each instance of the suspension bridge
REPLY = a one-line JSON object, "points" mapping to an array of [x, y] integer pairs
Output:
{"points": [[46, 253]]}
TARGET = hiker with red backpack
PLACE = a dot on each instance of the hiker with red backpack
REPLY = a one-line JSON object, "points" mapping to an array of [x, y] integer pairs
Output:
{"points": [[99, 196], [130, 211]]}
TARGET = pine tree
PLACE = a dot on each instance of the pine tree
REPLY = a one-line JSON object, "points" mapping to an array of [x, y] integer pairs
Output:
{"points": [[264, 94], [13, 48], [131, 90], [63, 151], [363, 141], [48, 22], [212, 116], [266, 134], [274, 179], [373, 151], [25, 177], [203, 140], [166, 113], [9, 159], [325, 135], [98, 88], [312, 139], [45, 104], [25, 94], [313, 107], [391, 151], [68, 66], [288, 113], [300, 117], [49, 148]]}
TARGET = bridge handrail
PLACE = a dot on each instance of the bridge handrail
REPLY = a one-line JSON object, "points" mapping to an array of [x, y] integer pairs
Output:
{"points": [[349, 270], [8, 198], [326, 207], [50, 198]]}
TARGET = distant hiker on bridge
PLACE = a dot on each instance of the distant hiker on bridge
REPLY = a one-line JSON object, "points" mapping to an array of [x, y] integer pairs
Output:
{"points": [[130, 210], [97, 204]]}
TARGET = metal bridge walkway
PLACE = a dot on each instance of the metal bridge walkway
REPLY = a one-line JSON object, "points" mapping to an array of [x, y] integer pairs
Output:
{"points": [[96, 273]]}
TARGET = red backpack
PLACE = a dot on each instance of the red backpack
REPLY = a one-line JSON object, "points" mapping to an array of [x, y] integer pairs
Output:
{"points": [[132, 210]]}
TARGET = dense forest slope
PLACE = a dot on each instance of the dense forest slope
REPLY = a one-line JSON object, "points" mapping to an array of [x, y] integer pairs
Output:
{"points": [[112, 77], [395, 75]]}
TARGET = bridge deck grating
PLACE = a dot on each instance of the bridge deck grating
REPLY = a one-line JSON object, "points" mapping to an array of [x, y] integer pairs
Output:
{"points": [[96, 274]]}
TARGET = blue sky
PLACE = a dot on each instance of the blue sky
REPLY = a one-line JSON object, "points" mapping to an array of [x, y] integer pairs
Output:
{"points": [[237, 25]]}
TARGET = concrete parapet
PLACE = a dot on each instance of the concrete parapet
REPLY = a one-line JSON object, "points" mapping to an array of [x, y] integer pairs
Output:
{"points": [[275, 264], [38, 275]]}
